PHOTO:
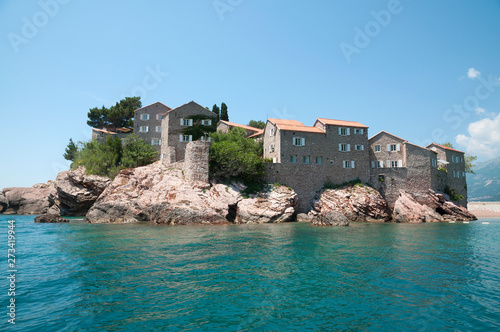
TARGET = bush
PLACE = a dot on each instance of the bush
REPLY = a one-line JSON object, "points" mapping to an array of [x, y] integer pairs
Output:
{"points": [[109, 157], [234, 157], [453, 194]]}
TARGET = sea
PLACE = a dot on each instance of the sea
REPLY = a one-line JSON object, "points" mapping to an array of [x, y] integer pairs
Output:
{"points": [[273, 277]]}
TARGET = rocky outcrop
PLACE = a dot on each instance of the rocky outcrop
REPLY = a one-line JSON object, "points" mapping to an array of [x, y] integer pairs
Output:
{"points": [[407, 209], [330, 218], [275, 205], [77, 191], [3, 202], [50, 218], [31, 200], [357, 203], [162, 195]]}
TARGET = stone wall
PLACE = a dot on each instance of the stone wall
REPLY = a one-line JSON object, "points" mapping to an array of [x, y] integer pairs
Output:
{"points": [[196, 162]]}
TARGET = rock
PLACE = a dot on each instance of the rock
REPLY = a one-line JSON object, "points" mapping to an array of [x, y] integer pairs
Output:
{"points": [[407, 209], [22, 200], [305, 217], [449, 210], [330, 218], [77, 191], [277, 204], [162, 195], [50, 218], [357, 203], [3, 202]]}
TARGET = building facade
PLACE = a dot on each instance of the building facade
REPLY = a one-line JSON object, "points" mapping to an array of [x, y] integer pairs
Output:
{"points": [[250, 132], [179, 126], [148, 123]]}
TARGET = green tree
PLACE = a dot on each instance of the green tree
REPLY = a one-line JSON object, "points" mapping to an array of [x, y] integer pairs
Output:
{"points": [[468, 159], [71, 151], [136, 152], [224, 115], [216, 110], [117, 116], [257, 124], [232, 156], [101, 158]]}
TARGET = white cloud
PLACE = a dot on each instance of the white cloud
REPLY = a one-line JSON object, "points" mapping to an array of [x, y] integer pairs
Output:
{"points": [[480, 110], [473, 73], [483, 139]]}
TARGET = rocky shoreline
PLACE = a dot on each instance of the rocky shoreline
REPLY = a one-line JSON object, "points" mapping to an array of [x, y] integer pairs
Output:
{"points": [[163, 195]]}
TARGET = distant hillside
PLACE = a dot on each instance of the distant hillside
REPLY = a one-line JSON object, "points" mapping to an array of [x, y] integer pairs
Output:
{"points": [[485, 184]]}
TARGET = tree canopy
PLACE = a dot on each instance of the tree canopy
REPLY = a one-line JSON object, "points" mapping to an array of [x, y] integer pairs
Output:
{"points": [[216, 110], [232, 156], [468, 159], [117, 116], [224, 115], [70, 151], [257, 124]]}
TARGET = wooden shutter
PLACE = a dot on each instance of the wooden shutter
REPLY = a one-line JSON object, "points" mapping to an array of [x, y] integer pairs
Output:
{"points": [[352, 164], [400, 163], [340, 131], [398, 147], [340, 147], [182, 121], [348, 147], [180, 137], [303, 141], [191, 137], [348, 131], [373, 164], [388, 147], [388, 163]]}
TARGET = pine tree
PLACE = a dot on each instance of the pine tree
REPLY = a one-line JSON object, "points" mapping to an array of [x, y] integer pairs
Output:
{"points": [[216, 110], [71, 150], [224, 115]]}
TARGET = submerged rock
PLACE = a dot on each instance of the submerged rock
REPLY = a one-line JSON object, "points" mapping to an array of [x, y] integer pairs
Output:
{"points": [[163, 195], [330, 218], [50, 218], [358, 203]]}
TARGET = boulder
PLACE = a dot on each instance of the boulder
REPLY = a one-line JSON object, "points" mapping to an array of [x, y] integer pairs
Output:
{"points": [[275, 205], [357, 202], [30, 200], [3, 202], [162, 195], [50, 218], [408, 210], [330, 218], [77, 191], [440, 208]]}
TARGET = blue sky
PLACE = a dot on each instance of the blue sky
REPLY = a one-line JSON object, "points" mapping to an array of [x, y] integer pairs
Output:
{"points": [[423, 70]]}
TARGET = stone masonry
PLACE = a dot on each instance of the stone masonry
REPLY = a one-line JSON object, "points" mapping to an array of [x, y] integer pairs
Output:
{"points": [[196, 163], [147, 123]]}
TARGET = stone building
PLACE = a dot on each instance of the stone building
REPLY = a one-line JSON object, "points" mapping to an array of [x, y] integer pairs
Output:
{"points": [[306, 158], [176, 124], [397, 164], [250, 132], [147, 123], [452, 164]]}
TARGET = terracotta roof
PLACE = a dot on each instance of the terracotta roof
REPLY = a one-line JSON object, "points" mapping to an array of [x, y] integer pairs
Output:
{"points": [[445, 147], [342, 123], [232, 124], [104, 131], [124, 130], [260, 132], [294, 125]]}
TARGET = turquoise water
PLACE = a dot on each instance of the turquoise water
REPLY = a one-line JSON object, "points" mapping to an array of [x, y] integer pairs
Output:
{"points": [[285, 277]]}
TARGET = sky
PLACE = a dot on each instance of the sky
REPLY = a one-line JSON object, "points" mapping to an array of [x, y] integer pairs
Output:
{"points": [[424, 70]]}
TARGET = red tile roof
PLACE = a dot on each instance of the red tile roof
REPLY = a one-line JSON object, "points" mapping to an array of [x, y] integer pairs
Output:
{"points": [[445, 147], [342, 123], [232, 124], [294, 125]]}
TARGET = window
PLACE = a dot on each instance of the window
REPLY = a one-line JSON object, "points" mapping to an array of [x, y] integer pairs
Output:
{"points": [[186, 122], [377, 164], [158, 129], [144, 116], [344, 147], [377, 148], [344, 131], [358, 131], [158, 116], [155, 142], [393, 147], [463, 174], [143, 129], [452, 159], [293, 158], [163, 155], [434, 163], [348, 163], [319, 160], [185, 138], [359, 147], [206, 139], [298, 141], [306, 159], [206, 122], [394, 163], [271, 148], [271, 132], [461, 160]]}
